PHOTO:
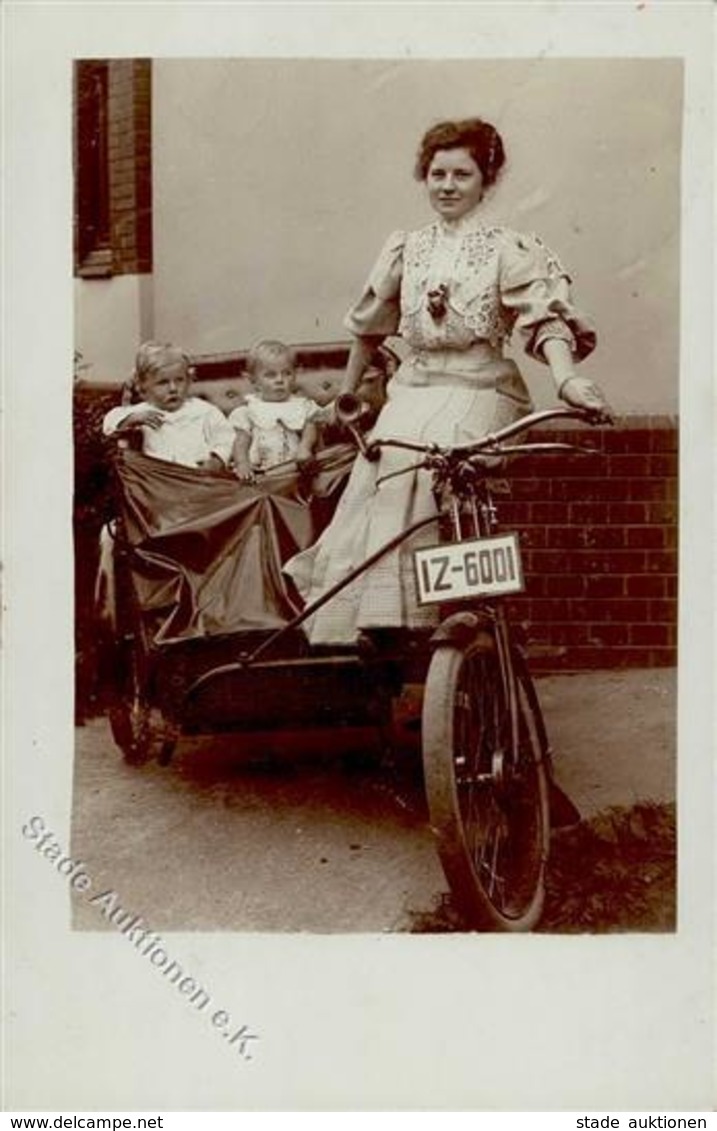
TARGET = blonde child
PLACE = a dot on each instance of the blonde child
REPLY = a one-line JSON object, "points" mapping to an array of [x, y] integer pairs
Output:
{"points": [[174, 425], [275, 425]]}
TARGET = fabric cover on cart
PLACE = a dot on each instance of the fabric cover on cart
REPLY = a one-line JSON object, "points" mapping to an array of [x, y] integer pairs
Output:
{"points": [[207, 551]]}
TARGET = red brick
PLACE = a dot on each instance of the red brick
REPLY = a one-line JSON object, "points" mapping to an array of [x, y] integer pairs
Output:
{"points": [[565, 585], [600, 489], [546, 662], [664, 440], [535, 585], [546, 658], [610, 656], [123, 199], [651, 490], [548, 513], [663, 612], [657, 635], [552, 610], [627, 441], [629, 512], [661, 561], [129, 130], [561, 490], [524, 488], [608, 561], [645, 537], [565, 537], [512, 515], [545, 561], [629, 467], [663, 513], [612, 610], [595, 513], [552, 637], [121, 115], [646, 585], [604, 586], [123, 168], [587, 462], [665, 464], [611, 634], [671, 586], [602, 538], [531, 536]]}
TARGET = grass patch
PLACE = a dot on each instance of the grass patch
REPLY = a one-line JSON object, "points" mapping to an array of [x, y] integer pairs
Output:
{"points": [[616, 872]]}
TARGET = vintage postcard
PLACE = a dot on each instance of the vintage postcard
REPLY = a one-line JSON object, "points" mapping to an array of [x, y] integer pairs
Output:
{"points": [[357, 483]]}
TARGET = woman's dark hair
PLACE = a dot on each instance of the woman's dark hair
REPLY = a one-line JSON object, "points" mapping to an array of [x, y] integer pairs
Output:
{"points": [[482, 141]]}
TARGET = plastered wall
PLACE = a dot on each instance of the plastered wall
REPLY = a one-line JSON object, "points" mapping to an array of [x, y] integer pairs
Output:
{"points": [[276, 181]]}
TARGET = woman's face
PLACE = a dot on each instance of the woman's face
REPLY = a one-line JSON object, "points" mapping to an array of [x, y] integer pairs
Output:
{"points": [[454, 182]]}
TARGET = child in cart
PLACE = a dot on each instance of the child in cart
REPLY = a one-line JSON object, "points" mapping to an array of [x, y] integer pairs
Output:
{"points": [[174, 426], [276, 425]]}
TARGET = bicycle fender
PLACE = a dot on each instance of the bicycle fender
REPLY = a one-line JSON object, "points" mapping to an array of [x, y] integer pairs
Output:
{"points": [[460, 630]]}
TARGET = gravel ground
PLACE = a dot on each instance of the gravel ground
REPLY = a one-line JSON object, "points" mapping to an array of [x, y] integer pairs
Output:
{"points": [[278, 833]]}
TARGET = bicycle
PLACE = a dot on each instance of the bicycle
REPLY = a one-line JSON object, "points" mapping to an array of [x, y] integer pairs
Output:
{"points": [[485, 751], [487, 761]]}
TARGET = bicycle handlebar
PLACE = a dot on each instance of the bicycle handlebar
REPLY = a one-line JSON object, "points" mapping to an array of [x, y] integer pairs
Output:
{"points": [[488, 444]]}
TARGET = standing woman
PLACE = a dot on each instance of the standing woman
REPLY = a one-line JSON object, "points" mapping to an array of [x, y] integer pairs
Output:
{"points": [[454, 291]]}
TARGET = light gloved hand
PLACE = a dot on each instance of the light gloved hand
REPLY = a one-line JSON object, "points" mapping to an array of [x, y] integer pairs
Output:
{"points": [[581, 392]]}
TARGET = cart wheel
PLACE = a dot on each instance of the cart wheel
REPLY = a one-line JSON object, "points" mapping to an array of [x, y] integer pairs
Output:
{"points": [[136, 727], [131, 731], [490, 816], [166, 751]]}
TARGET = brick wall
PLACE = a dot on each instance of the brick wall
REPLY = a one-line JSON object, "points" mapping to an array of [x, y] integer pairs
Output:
{"points": [[113, 199], [598, 536], [599, 539], [130, 172]]}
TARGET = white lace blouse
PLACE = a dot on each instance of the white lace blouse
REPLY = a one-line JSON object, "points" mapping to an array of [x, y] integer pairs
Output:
{"points": [[448, 286]]}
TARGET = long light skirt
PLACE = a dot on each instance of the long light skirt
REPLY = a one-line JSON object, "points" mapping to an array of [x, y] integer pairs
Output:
{"points": [[368, 516]]}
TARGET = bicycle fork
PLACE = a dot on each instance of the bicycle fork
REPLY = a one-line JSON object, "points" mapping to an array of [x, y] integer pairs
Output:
{"points": [[482, 522]]}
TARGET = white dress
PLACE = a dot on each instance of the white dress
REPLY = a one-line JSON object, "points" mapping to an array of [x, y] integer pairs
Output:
{"points": [[275, 427], [454, 292]]}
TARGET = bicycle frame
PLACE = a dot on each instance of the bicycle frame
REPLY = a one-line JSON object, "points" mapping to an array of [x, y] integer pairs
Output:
{"points": [[471, 505]]}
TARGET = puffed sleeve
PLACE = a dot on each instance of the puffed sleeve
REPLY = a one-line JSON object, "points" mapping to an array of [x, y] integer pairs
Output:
{"points": [[535, 288], [317, 413], [240, 419], [377, 312], [219, 433]]}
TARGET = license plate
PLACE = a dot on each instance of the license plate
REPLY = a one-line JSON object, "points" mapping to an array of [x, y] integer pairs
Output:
{"points": [[483, 567]]}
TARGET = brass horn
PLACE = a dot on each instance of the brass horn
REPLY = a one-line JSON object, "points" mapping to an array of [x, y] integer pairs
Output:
{"points": [[349, 410]]}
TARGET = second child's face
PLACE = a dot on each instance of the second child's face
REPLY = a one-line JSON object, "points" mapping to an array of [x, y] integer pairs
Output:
{"points": [[166, 388], [274, 380]]}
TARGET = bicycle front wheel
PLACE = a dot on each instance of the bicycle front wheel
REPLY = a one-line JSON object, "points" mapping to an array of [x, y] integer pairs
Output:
{"points": [[486, 786]]}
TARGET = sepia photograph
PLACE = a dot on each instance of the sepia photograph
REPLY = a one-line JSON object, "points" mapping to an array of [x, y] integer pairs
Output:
{"points": [[376, 431], [359, 552]]}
